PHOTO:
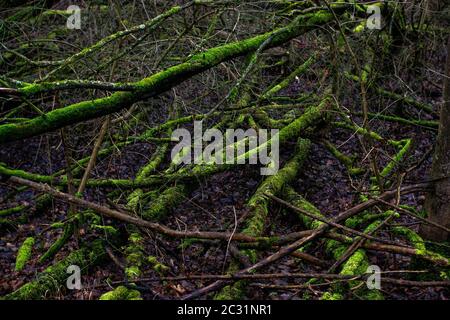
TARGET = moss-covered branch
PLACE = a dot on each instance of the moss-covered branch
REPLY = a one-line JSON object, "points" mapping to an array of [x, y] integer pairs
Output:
{"points": [[286, 81], [158, 82], [258, 205], [427, 124], [356, 264], [53, 278], [24, 253], [147, 26]]}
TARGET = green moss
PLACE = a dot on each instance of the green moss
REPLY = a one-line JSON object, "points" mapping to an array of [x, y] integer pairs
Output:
{"points": [[344, 159], [360, 130], [25, 175], [373, 295], [135, 237], [359, 28], [92, 217], [162, 205], [53, 278], [62, 181], [59, 243], [232, 292], [109, 230], [37, 88], [302, 203], [285, 82], [413, 237], [332, 296], [57, 225], [159, 82], [398, 157], [157, 266], [155, 161], [334, 248], [132, 272], [11, 211], [427, 124], [121, 293], [356, 264], [134, 255], [311, 117], [258, 204], [148, 26], [24, 253], [265, 121], [421, 248], [398, 97], [134, 199], [357, 221], [436, 264]]}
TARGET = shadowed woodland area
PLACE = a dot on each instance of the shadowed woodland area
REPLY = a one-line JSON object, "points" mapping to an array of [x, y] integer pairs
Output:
{"points": [[88, 177]]}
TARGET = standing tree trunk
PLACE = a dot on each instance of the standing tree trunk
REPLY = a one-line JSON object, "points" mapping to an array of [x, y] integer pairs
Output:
{"points": [[437, 203]]}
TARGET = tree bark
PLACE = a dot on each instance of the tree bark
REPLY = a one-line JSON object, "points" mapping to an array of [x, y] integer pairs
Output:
{"points": [[437, 203]]}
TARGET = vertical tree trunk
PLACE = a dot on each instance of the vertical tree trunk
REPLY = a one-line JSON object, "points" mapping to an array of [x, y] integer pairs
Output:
{"points": [[437, 203]]}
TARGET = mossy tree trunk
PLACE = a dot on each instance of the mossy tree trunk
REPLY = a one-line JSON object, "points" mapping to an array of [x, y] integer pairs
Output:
{"points": [[437, 203]]}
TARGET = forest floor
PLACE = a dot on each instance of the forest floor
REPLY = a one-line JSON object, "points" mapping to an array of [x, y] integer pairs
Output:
{"points": [[212, 206], [220, 200]]}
